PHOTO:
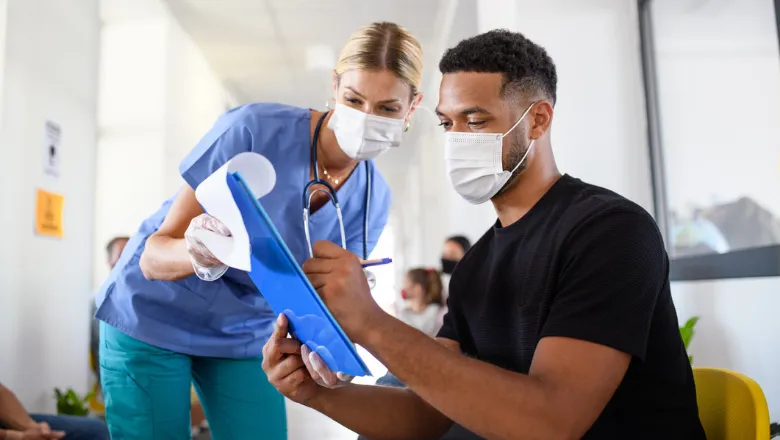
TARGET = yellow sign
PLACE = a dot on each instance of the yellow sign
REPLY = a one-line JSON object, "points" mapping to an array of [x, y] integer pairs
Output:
{"points": [[48, 214]]}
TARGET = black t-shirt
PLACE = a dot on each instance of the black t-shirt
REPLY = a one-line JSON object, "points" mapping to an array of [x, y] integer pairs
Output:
{"points": [[588, 264]]}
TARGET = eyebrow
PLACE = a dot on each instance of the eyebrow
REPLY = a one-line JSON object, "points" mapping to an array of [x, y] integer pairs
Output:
{"points": [[386, 101], [466, 111]]}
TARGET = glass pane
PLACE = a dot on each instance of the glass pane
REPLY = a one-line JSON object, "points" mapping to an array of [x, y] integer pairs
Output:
{"points": [[718, 72]]}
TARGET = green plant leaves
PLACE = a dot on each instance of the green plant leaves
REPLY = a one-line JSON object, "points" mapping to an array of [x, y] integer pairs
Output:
{"points": [[686, 331], [69, 403]]}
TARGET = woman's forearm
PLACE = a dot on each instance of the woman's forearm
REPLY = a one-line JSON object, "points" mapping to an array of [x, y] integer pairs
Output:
{"points": [[166, 259]]}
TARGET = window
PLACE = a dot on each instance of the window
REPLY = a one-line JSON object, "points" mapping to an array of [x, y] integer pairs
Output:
{"points": [[714, 94]]}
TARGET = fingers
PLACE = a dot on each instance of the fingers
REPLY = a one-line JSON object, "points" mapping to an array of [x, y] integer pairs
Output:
{"points": [[329, 378], [294, 380], [279, 345], [344, 377], [318, 281], [283, 369], [305, 353], [280, 328], [328, 250], [212, 224], [318, 265]]}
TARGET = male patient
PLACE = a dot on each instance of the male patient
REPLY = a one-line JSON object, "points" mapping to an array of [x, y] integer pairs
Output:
{"points": [[560, 324]]}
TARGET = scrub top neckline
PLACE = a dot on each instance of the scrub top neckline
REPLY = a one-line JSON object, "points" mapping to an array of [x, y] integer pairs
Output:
{"points": [[344, 193]]}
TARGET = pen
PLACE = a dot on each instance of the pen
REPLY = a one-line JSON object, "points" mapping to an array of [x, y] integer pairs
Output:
{"points": [[377, 262]]}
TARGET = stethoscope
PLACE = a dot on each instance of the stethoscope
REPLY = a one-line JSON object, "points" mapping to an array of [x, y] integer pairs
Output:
{"points": [[328, 189]]}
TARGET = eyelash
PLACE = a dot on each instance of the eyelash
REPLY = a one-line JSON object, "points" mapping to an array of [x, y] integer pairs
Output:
{"points": [[472, 124], [355, 101]]}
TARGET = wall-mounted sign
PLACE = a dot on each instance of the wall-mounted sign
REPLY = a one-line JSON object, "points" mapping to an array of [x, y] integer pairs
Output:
{"points": [[52, 149], [48, 214]]}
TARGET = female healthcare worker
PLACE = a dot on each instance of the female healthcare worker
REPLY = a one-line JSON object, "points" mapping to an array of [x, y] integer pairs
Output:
{"points": [[165, 326]]}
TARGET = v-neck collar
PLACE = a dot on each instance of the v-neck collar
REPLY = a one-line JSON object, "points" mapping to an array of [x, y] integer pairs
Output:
{"points": [[343, 194]]}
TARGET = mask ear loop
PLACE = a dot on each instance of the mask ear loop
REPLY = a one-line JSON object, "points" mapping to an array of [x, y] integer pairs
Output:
{"points": [[532, 140], [519, 120]]}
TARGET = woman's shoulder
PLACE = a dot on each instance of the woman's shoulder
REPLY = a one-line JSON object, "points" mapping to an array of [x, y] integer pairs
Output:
{"points": [[265, 112]]}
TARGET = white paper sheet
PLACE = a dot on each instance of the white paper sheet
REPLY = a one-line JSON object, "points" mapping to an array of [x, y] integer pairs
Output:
{"points": [[216, 199]]}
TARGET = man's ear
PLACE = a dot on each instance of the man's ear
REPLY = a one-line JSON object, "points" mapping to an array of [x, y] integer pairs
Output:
{"points": [[541, 118]]}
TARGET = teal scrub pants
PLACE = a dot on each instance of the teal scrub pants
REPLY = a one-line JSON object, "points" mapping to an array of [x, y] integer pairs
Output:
{"points": [[147, 393]]}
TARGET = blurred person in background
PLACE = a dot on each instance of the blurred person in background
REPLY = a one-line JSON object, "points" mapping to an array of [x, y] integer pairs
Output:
{"points": [[172, 313], [452, 252], [422, 303], [17, 424], [422, 300], [114, 250]]}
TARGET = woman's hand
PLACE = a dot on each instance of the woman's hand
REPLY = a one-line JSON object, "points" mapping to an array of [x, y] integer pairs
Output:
{"points": [[207, 266], [320, 372], [284, 366]]}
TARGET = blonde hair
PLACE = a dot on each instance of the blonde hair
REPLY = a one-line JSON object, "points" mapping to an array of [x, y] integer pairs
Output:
{"points": [[384, 45]]}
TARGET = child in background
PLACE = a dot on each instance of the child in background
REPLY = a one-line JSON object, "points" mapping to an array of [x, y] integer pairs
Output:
{"points": [[422, 303], [422, 294]]}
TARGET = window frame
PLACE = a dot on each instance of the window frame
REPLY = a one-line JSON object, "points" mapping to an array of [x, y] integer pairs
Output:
{"points": [[746, 263]]}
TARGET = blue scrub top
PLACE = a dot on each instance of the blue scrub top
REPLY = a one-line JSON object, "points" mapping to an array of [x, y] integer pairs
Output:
{"points": [[229, 317]]}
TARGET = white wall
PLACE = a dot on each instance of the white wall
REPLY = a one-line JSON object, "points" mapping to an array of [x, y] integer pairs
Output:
{"points": [[719, 91], [3, 13], [598, 131], [50, 72], [599, 136], [158, 96]]}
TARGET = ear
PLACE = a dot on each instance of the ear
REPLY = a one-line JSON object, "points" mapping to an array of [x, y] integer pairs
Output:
{"points": [[540, 118], [335, 79], [415, 102]]}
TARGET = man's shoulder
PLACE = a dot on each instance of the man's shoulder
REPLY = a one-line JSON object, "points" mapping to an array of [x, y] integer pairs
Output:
{"points": [[589, 204]]}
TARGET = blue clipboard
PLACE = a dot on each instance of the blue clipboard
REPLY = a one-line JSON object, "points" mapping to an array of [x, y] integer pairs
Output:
{"points": [[285, 287]]}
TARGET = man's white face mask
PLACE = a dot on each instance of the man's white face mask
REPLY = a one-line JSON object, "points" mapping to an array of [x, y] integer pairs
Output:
{"points": [[474, 163], [362, 136]]}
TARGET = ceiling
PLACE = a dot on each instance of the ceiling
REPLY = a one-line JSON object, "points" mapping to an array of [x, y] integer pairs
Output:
{"points": [[258, 47]]}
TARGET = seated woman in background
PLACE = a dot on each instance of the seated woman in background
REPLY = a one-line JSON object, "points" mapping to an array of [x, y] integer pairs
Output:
{"points": [[422, 294]]}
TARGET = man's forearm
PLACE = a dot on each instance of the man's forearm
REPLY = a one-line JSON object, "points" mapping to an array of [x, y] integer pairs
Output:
{"points": [[381, 413], [12, 413], [490, 401]]}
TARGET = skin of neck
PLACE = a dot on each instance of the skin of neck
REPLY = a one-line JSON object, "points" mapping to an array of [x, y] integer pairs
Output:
{"points": [[525, 190], [330, 154], [419, 305]]}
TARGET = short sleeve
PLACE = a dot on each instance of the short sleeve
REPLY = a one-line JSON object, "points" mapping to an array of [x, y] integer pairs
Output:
{"points": [[229, 136], [449, 327], [614, 268]]}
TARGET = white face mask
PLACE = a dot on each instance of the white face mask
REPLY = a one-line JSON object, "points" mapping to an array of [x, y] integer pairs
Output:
{"points": [[474, 163], [362, 136]]}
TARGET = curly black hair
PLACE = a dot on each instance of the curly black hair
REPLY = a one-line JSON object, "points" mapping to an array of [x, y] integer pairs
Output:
{"points": [[526, 66]]}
